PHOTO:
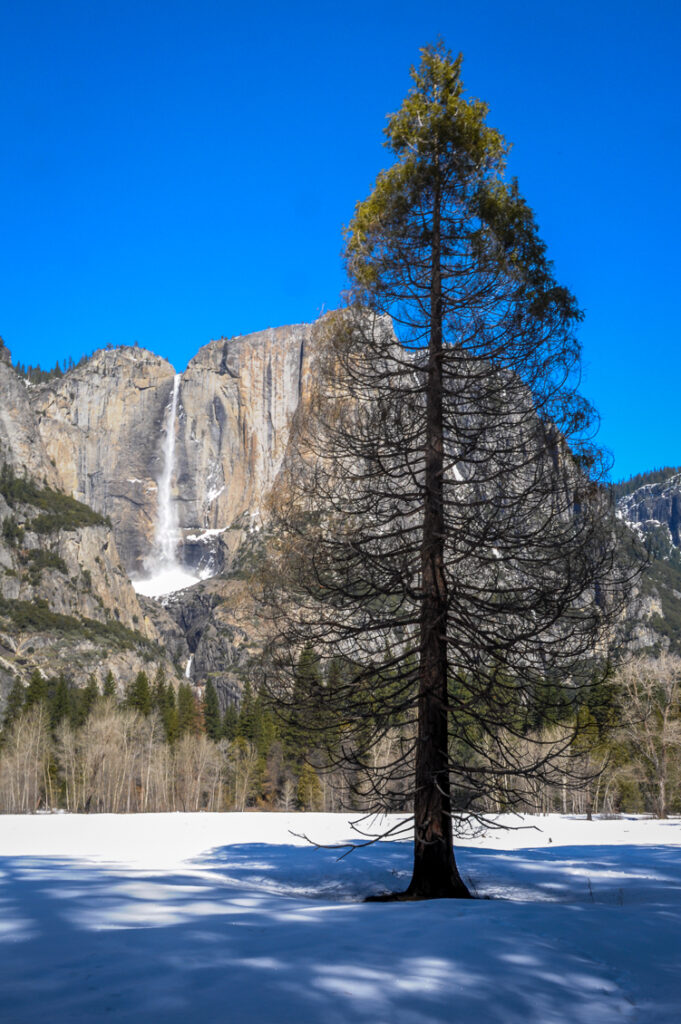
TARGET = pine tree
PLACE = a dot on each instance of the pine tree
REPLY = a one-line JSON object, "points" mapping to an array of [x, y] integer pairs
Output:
{"points": [[60, 702], [230, 722], [303, 714], [86, 700], [246, 721], [211, 712], [169, 714], [188, 719], [14, 704], [441, 501], [138, 695], [109, 689], [37, 689], [309, 792]]}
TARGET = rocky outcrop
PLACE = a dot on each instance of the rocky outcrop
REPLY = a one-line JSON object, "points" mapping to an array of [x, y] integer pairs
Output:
{"points": [[66, 602], [103, 426], [223, 626], [100, 425], [237, 398], [18, 447], [655, 508], [653, 512]]}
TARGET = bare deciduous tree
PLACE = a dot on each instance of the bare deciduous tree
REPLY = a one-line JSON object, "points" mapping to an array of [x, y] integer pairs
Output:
{"points": [[650, 717]]}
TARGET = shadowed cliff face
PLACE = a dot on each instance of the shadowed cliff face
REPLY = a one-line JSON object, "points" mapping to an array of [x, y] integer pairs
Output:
{"points": [[655, 508], [103, 426]]}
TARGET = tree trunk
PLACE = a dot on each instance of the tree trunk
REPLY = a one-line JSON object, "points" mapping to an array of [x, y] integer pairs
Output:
{"points": [[435, 872]]}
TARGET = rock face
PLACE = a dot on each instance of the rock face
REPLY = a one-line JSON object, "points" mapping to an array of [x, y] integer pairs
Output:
{"points": [[103, 425], [66, 602], [237, 398], [655, 508], [653, 512], [18, 447], [100, 434]]}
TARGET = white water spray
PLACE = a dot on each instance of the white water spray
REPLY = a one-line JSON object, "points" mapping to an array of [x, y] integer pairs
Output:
{"points": [[167, 536], [166, 574]]}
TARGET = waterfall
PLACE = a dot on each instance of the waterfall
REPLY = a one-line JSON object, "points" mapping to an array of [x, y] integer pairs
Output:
{"points": [[167, 535], [165, 572], [188, 667]]}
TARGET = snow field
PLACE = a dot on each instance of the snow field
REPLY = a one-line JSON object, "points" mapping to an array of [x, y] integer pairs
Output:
{"points": [[231, 918]]}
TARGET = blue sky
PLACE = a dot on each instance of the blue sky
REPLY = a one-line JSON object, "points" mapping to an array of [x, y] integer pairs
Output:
{"points": [[172, 172]]}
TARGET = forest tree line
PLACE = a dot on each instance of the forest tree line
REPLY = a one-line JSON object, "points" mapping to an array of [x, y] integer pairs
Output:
{"points": [[157, 748]]}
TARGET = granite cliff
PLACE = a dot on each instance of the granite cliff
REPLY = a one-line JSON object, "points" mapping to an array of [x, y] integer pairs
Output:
{"points": [[103, 426], [192, 454], [66, 602], [653, 512], [178, 468]]}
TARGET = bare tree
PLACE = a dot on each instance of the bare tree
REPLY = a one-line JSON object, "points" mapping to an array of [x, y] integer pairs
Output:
{"points": [[650, 717], [25, 782]]}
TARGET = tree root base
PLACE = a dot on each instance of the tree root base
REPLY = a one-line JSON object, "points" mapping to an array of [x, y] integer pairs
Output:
{"points": [[413, 897]]}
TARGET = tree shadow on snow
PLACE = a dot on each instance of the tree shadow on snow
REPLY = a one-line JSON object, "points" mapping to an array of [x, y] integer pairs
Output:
{"points": [[276, 934]]}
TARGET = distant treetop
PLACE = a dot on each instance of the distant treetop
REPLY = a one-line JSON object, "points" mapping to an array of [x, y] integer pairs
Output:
{"points": [[37, 375], [653, 476]]}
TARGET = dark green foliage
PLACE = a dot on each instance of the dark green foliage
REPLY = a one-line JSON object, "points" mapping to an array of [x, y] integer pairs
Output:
{"points": [[84, 701], [109, 689], [309, 792], [658, 544], [163, 700], [35, 375], [246, 721], [59, 701], [138, 694], [38, 560], [57, 511], [303, 717], [211, 712], [11, 531], [666, 579], [14, 704], [230, 722], [37, 690], [188, 717], [37, 615]]}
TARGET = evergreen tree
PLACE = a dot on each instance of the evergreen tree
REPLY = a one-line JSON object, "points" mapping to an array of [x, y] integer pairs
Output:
{"points": [[60, 703], [138, 695], [109, 689], [230, 722], [37, 689], [163, 701], [188, 719], [303, 716], [309, 792], [442, 501], [246, 722], [14, 704], [211, 712], [86, 700]]}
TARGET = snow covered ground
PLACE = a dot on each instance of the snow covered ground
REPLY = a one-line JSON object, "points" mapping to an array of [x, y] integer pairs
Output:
{"points": [[231, 918]]}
